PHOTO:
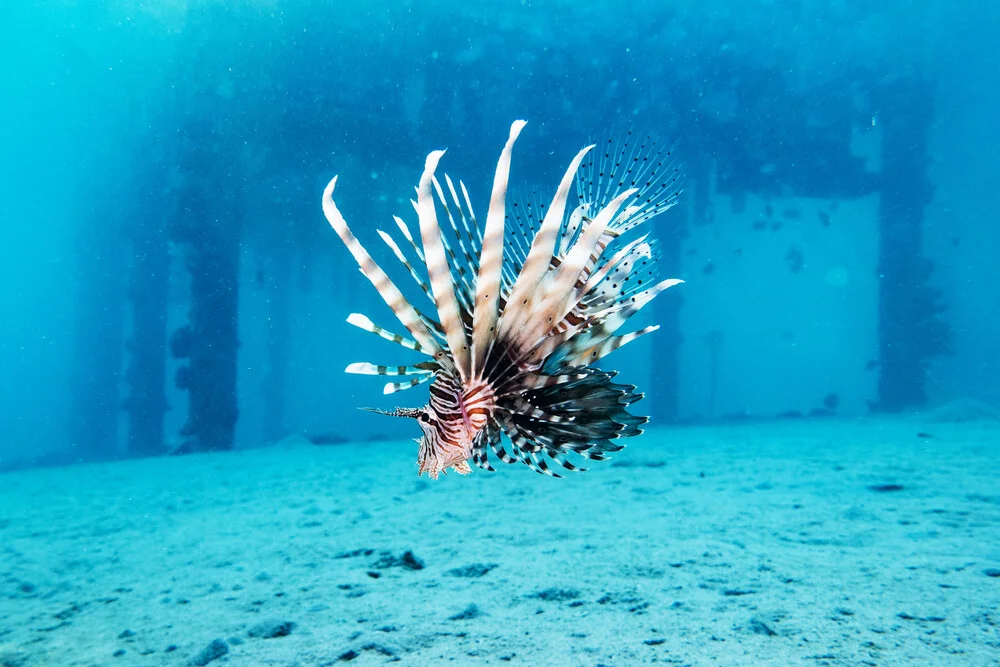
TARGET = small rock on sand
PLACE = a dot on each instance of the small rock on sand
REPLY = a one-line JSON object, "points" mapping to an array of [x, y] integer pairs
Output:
{"points": [[270, 629], [470, 612], [473, 571], [213, 651]]}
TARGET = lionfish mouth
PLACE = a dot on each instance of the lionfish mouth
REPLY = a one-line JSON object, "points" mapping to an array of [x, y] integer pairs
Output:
{"points": [[524, 311]]}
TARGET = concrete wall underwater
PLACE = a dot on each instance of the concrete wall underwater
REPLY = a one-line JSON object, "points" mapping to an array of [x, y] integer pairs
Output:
{"points": [[779, 311]]}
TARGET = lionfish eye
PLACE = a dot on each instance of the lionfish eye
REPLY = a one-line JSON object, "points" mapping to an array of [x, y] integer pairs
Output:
{"points": [[425, 418]]}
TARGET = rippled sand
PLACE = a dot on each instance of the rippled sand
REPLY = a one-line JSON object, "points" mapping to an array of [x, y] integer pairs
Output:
{"points": [[816, 543]]}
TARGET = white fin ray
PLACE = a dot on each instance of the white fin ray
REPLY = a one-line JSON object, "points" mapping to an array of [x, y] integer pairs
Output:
{"points": [[393, 387], [472, 214], [394, 247], [439, 270], [404, 312], [362, 322], [542, 248], [474, 241], [598, 351], [606, 322], [558, 291], [469, 263], [365, 368], [486, 311]]}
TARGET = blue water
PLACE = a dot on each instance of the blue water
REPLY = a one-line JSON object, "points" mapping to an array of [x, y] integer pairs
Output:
{"points": [[170, 286]]}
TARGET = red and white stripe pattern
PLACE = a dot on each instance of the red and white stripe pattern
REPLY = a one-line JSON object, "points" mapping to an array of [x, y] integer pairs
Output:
{"points": [[520, 324]]}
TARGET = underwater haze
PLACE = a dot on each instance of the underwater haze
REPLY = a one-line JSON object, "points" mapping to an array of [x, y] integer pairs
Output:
{"points": [[187, 478]]}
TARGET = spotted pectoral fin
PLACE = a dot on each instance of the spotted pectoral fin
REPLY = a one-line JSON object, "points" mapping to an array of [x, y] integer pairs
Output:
{"points": [[579, 416]]}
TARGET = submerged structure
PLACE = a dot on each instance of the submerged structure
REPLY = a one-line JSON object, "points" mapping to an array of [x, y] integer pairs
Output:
{"points": [[810, 219], [523, 313]]}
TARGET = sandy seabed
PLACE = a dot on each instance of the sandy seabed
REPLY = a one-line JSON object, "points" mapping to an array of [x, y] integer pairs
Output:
{"points": [[873, 542]]}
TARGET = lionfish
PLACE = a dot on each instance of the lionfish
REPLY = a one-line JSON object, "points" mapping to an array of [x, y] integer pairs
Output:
{"points": [[524, 310]]}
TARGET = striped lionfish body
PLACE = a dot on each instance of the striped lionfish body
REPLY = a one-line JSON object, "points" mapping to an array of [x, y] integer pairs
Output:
{"points": [[524, 310]]}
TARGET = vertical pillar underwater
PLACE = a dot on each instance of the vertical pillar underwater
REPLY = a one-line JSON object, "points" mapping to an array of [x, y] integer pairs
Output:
{"points": [[909, 329], [209, 226]]}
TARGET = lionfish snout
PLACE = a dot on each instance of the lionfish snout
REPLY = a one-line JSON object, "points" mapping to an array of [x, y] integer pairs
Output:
{"points": [[442, 445], [413, 413], [523, 312]]}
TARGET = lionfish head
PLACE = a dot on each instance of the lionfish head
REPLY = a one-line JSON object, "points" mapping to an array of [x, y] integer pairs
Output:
{"points": [[436, 451]]}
